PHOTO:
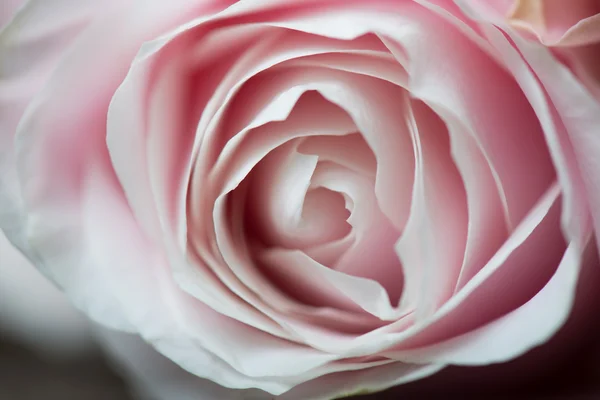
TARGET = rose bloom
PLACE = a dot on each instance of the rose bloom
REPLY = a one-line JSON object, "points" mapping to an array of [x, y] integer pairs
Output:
{"points": [[312, 198]]}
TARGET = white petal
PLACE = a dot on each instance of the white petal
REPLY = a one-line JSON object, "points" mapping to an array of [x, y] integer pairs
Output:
{"points": [[152, 374], [35, 313]]}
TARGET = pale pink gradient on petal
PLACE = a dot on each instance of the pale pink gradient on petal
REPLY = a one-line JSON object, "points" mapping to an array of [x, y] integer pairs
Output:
{"points": [[438, 218]]}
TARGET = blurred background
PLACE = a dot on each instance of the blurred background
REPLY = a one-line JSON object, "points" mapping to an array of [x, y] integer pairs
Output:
{"points": [[49, 351]]}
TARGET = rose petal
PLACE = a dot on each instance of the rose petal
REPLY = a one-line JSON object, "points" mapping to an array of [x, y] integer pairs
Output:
{"points": [[30, 49], [284, 211], [35, 313], [350, 151], [371, 254], [150, 373], [47, 40], [374, 63], [438, 218], [581, 118], [557, 25], [9, 10]]}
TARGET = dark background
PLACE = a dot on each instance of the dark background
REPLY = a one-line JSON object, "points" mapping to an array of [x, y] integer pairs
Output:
{"points": [[26, 376]]}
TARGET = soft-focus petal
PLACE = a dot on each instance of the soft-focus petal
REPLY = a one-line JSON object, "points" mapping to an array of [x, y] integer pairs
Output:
{"points": [[53, 123], [34, 312], [31, 47], [557, 23], [9, 8]]}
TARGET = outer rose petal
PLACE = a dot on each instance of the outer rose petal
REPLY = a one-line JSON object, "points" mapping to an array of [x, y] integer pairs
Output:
{"points": [[154, 376], [66, 44], [34, 312], [559, 23], [31, 47], [9, 8], [571, 28]]}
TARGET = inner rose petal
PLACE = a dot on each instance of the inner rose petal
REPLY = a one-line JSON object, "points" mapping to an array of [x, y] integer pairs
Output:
{"points": [[269, 165], [307, 74], [234, 253], [284, 46], [325, 215], [350, 151], [306, 272], [553, 23], [372, 254], [284, 212], [294, 291]]}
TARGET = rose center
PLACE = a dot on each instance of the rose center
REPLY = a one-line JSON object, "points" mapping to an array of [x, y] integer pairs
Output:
{"points": [[316, 194]]}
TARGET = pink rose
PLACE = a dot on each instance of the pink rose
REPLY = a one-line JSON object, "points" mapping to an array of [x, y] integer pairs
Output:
{"points": [[311, 198]]}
